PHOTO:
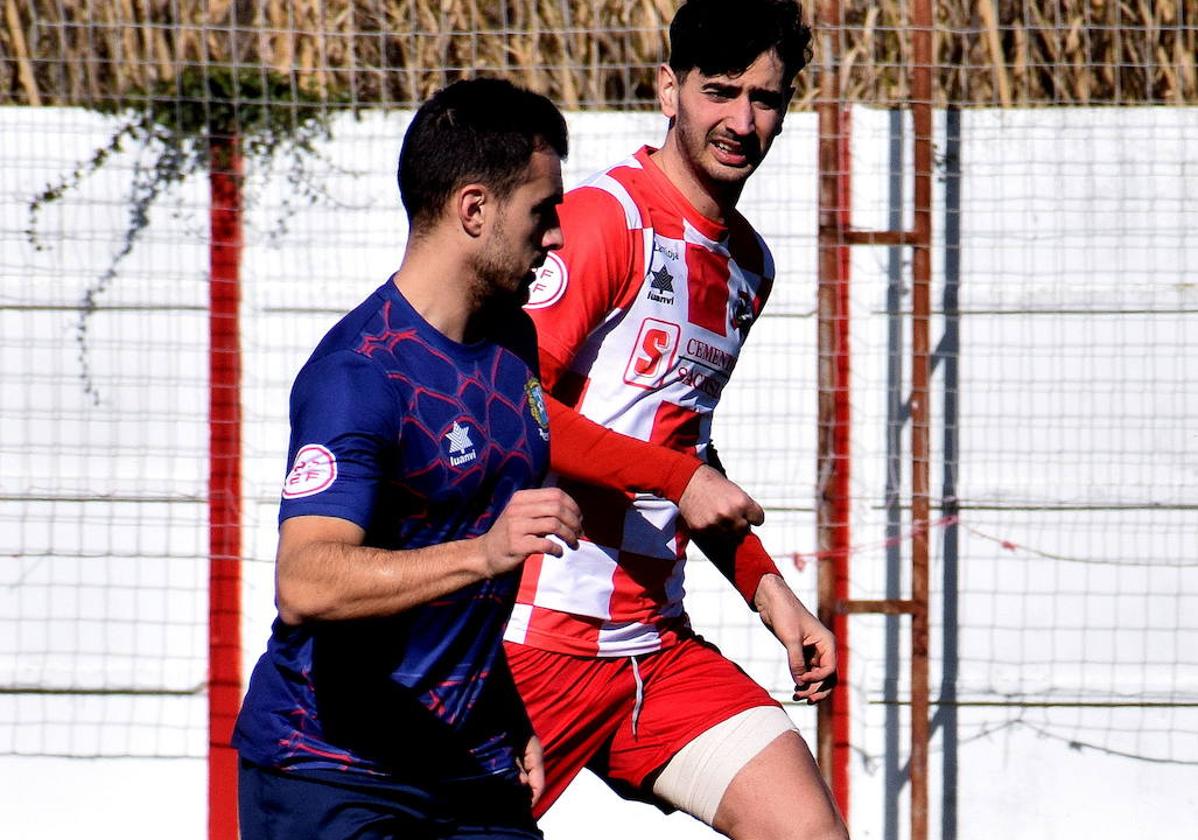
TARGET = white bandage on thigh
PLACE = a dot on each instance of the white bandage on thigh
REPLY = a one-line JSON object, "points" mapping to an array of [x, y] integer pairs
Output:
{"points": [[696, 777]]}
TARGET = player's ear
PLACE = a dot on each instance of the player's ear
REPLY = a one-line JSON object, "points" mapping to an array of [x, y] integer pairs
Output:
{"points": [[667, 90], [471, 204]]}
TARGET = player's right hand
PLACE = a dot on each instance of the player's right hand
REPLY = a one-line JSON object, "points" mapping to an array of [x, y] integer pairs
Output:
{"points": [[713, 503], [810, 646], [524, 528], [532, 768]]}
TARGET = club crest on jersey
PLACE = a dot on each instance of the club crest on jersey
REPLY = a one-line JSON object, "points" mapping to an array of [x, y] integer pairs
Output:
{"points": [[461, 445], [548, 284], [661, 286], [314, 470], [536, 406], [741, 314]]}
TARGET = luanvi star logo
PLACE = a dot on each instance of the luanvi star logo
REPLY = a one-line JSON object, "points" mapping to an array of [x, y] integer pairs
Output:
{"points": [[461, 447], [661, 285], [663, 281]]}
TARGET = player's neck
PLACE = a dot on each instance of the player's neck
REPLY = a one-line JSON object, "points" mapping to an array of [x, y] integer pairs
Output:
{"points": [[437, 283], [715, 201]]}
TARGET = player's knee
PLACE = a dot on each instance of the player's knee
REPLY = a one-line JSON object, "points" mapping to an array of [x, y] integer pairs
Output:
{"points": [[765, 823], [829, 827]]}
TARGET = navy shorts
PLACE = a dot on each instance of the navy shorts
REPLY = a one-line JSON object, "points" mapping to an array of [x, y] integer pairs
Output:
{"points": [[328, 806]]}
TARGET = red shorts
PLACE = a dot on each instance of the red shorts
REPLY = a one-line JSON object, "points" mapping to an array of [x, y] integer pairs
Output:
{"points": [[583, 710]]}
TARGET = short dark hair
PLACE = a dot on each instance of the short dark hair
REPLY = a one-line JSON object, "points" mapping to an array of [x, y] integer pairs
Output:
{"points": [[473, 131], [719, 37]]}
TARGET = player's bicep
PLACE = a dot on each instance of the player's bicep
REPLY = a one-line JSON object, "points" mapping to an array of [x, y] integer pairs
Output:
{"points": [[299, 534], [308, 563]]}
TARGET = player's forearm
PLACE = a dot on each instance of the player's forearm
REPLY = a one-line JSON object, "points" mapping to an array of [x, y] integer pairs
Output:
{"points": [[333, 581], [744, 562], [782, 612], [581, 449], [772, 592]]}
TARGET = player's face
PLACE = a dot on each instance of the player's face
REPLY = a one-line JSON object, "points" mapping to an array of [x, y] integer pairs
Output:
{"points": [[525, 229], [723, 124]]}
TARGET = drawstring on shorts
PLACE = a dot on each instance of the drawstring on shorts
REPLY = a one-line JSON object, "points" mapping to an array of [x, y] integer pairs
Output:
{"points": [[640, 694]]}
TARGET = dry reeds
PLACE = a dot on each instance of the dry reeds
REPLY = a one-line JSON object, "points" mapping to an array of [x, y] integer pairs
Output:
{"points": [[1028, 52], [586, 53]]}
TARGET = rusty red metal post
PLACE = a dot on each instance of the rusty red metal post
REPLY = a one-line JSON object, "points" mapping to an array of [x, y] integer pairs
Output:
{"points": [[921, 267], [834, 461], [833, 501], [224, 485]]}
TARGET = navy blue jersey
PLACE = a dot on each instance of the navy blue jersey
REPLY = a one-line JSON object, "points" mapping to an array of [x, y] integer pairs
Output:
{"points": [[419, 440]]}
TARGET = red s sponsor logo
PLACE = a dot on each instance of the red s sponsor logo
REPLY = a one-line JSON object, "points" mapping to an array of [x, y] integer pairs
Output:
{"points": [[653, 354]]}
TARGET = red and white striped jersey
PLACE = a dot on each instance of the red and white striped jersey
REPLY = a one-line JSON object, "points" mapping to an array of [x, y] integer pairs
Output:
{"points": [[641, 317]]}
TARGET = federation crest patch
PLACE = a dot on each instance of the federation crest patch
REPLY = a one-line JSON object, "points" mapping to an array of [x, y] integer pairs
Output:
{"points": [[314, 470], [537, 407], [549, 284]]}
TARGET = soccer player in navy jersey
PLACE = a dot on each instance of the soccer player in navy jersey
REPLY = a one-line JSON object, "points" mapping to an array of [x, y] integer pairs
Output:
{"points": [[383, 706]]}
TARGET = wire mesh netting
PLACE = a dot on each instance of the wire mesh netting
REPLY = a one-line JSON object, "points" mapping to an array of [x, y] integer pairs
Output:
{"points": [[1065, 561]]}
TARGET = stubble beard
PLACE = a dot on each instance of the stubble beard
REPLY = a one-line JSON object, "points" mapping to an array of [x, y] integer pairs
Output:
{"points": [[497, 276]]}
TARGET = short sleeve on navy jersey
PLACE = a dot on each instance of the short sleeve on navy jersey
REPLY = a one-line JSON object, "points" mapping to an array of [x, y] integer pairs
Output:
{"points": [[344, 417]]}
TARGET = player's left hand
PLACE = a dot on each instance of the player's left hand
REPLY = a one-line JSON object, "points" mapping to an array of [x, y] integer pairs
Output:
{"points": [[532, 768], [810, 647]]}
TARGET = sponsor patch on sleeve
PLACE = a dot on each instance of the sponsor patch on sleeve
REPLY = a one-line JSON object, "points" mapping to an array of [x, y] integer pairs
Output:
{"points": [[549, 284], [314, 470]]}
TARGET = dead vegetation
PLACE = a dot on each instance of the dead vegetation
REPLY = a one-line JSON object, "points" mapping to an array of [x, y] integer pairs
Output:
{"points": [[585, 53]]}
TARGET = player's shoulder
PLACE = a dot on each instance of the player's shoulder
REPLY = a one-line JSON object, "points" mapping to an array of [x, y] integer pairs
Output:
{"points": [[343, 362], [612, 196], [600, 207], [748, 247], [371, 316], [339, 375]]}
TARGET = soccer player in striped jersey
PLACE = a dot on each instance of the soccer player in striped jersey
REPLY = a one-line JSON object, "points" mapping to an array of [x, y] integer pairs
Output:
{"points": [[383, 706], [641, 317]]}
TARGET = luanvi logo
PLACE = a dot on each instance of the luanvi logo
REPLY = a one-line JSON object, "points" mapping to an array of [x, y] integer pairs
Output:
{"points": [[461, 447], [661, 286]]}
